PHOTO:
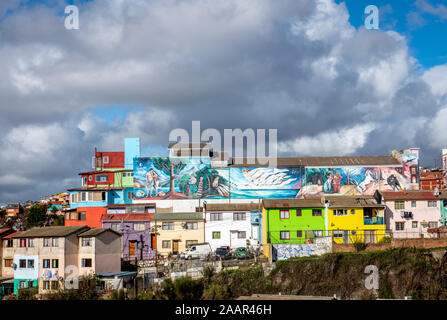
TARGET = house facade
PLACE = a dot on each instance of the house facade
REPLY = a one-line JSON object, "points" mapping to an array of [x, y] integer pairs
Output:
{"points": [[292, 221], [137, 239], [232, 224], [175, 232], [410, 213], [355, 219], [6, 253]]}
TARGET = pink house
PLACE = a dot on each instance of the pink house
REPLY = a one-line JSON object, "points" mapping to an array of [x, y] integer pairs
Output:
{"points": [[408, 214]]}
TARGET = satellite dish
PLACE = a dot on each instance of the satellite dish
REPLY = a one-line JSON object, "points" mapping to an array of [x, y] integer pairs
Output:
{"points": [[14, 266], [60, 278]]}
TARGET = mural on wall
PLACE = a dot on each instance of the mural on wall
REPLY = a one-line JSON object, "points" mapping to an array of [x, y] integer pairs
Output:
{"points": [[355, 180], [193, 178], [286, 251]]}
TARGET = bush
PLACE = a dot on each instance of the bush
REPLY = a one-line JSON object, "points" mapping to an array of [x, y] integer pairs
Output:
{"points": [[118, 295], [27, 294], [186, 288]]}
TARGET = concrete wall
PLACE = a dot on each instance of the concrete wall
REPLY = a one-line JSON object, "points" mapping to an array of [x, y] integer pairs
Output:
{"points": [[108, 252], [395, 243]]}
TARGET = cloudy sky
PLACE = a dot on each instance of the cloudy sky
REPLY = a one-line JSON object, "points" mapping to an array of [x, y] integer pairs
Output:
{"points": [[140, 68]]}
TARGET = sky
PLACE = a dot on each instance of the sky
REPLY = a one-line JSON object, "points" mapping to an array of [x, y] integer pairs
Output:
{"points": [[137, 68]]}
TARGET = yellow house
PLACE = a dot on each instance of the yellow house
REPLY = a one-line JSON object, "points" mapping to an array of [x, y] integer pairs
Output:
{"points": [[355, 219], [175, 232]]}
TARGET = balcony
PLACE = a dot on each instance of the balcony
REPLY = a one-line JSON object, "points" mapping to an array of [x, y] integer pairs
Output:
{"points": [[372, 221]]}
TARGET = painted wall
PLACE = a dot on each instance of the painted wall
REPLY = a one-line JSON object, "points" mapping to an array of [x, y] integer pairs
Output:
{"points": [[25, 274], [355, 225], [421, 214], [286, 251], [229, 229], [293, 224], [443, 205], [93, 217]]}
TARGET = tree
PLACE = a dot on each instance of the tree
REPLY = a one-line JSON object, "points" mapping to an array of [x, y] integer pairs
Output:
{"points": [[172, 169], [37, 215]]}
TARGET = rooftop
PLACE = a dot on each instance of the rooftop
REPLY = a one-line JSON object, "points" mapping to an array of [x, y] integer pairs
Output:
{"points": [[93, 232], [179, 216], [413, 195], [231, 206], [292, 203], [127, 217], [352, 201], [59, 231]]}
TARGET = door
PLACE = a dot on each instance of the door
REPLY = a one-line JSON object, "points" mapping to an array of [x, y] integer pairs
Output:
{"points": [[174, 246], [345, 236], [234, 239], [132, 248], [153, 241], [370, 236]]}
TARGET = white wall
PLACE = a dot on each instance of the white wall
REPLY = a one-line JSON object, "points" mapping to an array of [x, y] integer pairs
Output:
{"points": [[226, 226]]}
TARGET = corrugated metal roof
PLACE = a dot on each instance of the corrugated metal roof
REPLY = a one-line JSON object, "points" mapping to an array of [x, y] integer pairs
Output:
{"points": [[292, 203], [352, 201], [330, 161], [231, 206], [93, 232], [412, 195], [59, 231], [127, 216], [179, 216]]}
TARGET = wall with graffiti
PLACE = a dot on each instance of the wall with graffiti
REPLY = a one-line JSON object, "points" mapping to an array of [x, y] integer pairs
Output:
{"points": [[286, 251], [190, 178], [355, 180], [193, 178]]}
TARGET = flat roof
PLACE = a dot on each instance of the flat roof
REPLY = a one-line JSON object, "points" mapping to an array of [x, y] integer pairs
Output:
{"points": [[179, 216], [412, 195], [293, 203], [127, 216], [231, 206]]}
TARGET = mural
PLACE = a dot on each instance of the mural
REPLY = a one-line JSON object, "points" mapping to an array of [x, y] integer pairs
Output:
{"points": [[286, 251], [193, 178], [355, 180]]}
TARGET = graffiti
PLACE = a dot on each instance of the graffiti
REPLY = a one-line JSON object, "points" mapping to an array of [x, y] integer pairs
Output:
{"points": [[355, 180], [286, 251]]}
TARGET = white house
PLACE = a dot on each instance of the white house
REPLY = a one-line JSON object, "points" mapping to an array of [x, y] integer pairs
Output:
{"points": [[232, 224]]}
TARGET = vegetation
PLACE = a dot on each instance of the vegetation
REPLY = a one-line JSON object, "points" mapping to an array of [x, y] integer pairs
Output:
{"points": [[37, 215], [87, 290]]}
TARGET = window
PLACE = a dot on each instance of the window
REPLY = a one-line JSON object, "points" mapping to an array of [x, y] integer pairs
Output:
{"points": [[54, 285], [73, 197], [284, 235], [299, 234], [103, 196], [8, 263], [86, 242], [318, 233], [166, 244], [414, 224], [46, 242], [167, 226], [190, 243], [46, 285], [353, 232], [432, 224], [46, 263], [316, 213], [284, 214], [216, 216], [84, 181], [86, 263], [413, 204], [299, 213], [55, 242], [129, 195], [239, 216], [191, 225], [241, 235], [340, 212], [22, 263], [90, 178], [31, 243], [82, 216], [83, 196], [139, 226], [55, 263], [22, 284], [105, 159], [31, 264], [101, 178], [30, 284], [216, 234], [400, 226], [352, 211], [432, 203], [114, 226], [399, 205], [127, 174], [22, 243], [9, 243], [338, 233]]}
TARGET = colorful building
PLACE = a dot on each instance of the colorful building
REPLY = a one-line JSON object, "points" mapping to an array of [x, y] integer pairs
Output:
{"points": [[355, 219], [135, 228], [232, 224], [410, 213], [6, 255], [292, 221], [175, 232]]}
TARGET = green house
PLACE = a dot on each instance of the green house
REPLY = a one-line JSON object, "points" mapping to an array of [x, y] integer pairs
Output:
{"points": [[292, 221]]}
